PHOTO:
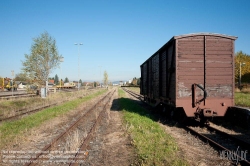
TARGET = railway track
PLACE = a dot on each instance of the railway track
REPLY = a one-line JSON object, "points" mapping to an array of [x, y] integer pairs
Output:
{"points": [[85, 122], [15, 96], [24, 111], [138, 96], [231, 147]]}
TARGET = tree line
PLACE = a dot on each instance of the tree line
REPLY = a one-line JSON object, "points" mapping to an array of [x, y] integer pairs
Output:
{"points": [[243, 59]]}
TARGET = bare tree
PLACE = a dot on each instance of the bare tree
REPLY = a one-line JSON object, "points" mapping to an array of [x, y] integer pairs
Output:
{"points": [[44, 57]]}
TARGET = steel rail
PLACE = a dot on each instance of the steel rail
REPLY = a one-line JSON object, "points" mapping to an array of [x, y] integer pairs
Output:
{"points": [[84, 145], [215, 144], [241, 142], [138, 96], [204, 138], [47, 147], [16, 96]]}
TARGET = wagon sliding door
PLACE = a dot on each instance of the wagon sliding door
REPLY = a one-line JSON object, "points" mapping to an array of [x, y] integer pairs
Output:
{"points": [[206, 60]]}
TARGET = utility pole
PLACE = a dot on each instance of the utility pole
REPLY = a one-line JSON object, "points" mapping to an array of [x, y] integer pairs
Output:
{"points": [[61, 60], [241, 64], [12, 73], [100, 75], [78, 63]]}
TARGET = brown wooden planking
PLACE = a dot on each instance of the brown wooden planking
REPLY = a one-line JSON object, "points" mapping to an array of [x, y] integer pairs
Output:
{"points": [[222, 82], [189, 61], [144, 72], [164, 74], [199, 60], [155, 71], [218, 69], [190, 69], [191, 45], [200, 81], [194, 78], [191, 52], [190, 48], [201, 73], [222, 65], [220, 44], [193, 65], [218, 49], [183, 40], [218, 85], [212, 56], [225, 77]]}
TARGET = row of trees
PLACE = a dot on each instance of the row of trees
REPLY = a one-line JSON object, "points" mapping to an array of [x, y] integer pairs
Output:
{"points": [[57, 81]]}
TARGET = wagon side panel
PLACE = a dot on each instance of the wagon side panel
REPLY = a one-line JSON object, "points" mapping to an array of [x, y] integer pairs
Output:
{"points": [[171, 70], [155, 76], [163, 76]]}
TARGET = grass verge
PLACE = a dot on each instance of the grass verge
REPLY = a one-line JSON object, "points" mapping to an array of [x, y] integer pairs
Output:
{"points": [[8, 107], [153, 145], [242, 99], [134, 89], [12, 129]]}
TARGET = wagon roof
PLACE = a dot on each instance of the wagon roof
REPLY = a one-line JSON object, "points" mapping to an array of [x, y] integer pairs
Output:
{"points": [[194, 34], [205, 34]]}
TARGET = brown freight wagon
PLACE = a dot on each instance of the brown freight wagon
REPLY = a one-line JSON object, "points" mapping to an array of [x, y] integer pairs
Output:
{"points": [[193, 72]]}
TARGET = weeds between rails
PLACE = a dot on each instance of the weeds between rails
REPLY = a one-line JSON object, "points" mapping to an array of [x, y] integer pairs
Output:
{"points": [[74, 125]]}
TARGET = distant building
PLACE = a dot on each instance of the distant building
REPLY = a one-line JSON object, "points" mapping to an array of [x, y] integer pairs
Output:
{"points": [[51, 82], [76, 83], [21, 85]]}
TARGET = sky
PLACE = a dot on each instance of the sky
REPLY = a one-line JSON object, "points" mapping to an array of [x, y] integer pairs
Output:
{"points": [[117, 35]]}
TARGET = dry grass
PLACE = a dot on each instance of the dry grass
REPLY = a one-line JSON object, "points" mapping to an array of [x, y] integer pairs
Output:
{"points": [[245, 90], [12, 129], [237, 90], [10, 108], [73, 141], [134, 89]]}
